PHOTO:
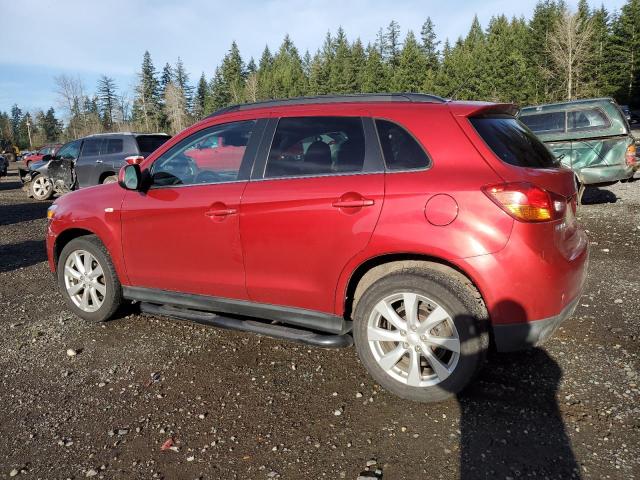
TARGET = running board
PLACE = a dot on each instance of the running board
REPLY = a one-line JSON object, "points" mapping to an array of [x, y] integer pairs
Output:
{"points": [[267, 329]]}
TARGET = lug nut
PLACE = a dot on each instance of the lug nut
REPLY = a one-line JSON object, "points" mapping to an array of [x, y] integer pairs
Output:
{"points": [[405, 344], [423, 338], [403, 333], [417, 348], [414, 328]]}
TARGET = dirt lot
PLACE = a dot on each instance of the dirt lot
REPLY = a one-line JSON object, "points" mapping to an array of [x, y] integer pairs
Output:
{"points": [[241, 406]]}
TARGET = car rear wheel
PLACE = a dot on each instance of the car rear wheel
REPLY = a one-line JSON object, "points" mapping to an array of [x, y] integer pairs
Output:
{"points": [[88, 280], [110, 179], [421, 334], [41, 188]]}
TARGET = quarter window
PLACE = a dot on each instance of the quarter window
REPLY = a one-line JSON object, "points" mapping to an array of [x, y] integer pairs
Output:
{"points": [[308, 146], [212, 155], [587, 119], [401, 151]]}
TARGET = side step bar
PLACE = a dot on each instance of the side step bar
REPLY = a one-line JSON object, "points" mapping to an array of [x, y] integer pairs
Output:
{"points": [[270, 330]]}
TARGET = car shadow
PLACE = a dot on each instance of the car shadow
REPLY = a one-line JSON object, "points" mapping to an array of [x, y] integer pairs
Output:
{"points": [[22, 212], [510, 424], [595, 196], [24, 254]]}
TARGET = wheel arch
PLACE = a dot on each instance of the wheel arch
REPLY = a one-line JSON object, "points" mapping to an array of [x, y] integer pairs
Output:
{"points": [[372, 269], [65, 237], [104, 175]]}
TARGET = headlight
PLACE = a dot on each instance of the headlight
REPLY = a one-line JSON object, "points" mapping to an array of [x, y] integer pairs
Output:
{"points": [[51, 211], [27, 177]]}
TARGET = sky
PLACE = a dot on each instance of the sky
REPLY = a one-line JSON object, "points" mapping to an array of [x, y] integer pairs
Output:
{"points": [[41, 39]]}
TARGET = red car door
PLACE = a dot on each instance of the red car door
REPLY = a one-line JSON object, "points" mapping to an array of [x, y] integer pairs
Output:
{"points": [[315, 207], [183, 234]]}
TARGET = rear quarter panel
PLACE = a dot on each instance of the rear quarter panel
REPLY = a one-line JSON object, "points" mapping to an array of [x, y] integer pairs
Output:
{"points": [[457, 170]]}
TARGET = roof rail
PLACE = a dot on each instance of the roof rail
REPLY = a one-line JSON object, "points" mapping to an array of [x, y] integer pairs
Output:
{"points": [[324, 99]]}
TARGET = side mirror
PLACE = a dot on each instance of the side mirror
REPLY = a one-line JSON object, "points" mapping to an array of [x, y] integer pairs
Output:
{"points": [[130, 177], [134, 159]]}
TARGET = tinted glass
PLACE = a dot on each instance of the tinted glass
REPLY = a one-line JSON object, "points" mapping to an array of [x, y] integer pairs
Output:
{"points": [[71, 150], [212, 155], [91, 147], [544, 122], [111, 145], [304, 146], [513, 143], [401, 151], [149, 143], [587, 119]]}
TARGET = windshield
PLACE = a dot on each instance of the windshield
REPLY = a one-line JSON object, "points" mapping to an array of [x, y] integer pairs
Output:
{"points": [[513, 142]]}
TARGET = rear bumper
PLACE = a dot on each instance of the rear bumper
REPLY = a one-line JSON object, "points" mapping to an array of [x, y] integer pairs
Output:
{"points": [[604, 174], [519, 336]]}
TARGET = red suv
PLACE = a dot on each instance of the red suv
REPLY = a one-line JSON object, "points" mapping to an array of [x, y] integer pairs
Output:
{"points": [[421, 229]]}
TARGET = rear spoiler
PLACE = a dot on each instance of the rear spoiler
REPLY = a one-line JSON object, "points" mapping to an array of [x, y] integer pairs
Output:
{"points": [[474, 109]]}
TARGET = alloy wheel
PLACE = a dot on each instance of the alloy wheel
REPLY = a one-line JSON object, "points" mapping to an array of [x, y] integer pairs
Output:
{"points": [[413, 339], [42, 187], [84, 280]]}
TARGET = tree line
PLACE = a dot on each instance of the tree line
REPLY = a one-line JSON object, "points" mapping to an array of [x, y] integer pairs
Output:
{"points": [[555, 55]]}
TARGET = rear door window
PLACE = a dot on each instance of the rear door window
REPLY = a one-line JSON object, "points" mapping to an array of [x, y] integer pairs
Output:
{"points": [[91, 147], [309, 146], [111, 146], [512, 142], [149, 143], [587, 119], [550, 122], [401, 151]]}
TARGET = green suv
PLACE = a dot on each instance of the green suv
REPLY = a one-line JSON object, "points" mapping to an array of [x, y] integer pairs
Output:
{"points": [[592, 137]]}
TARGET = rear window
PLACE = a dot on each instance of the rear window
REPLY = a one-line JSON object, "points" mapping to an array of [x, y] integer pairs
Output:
{"points": [[513, 143], [149, 143], [551, 122]]}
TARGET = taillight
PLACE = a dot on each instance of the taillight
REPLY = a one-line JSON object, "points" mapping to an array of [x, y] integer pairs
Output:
{"points": [[630, 156], [527, 202]]}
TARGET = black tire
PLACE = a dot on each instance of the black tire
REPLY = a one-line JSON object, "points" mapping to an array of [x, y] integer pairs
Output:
{"points": [[35, 189], [110, 179], [112, 299], [463, 304]]}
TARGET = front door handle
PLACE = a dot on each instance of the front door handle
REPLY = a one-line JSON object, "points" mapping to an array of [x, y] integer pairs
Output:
{"points": [[98, 161], [364, 202], [220, 212]]}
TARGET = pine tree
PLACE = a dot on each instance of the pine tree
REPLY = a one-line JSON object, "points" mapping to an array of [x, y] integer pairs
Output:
{"points": [[16, 117], [392, 37], [409, 75], [358, 64], [146, 104], [181, 80], [342, 77], [107, 100], [624, 54], [51, 126], [264, 82], [374, 78], [166, 77], [200, 103], [229, 81], [288, 76], [429, 43]]}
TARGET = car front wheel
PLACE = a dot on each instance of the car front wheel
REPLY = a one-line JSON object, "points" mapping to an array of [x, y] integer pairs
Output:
{"points": [[421, 334], [41, 188], [88, 280]]}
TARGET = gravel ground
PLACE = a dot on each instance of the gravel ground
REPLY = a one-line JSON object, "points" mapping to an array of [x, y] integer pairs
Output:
{"points": [[81, 400]]}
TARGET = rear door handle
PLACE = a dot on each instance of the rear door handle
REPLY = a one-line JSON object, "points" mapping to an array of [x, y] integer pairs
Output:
{"points": [[98, 161], [365, 202], [220, 212]]}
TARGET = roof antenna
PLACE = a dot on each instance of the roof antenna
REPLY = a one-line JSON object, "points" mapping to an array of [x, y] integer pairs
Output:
{"points": [[452, 95]]}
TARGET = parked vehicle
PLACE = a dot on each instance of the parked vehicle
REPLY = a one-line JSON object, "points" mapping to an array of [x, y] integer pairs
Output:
{"points": [[433, 227], [50, 149], [592, 137], [88, 161], [8, 150], [4, 165]]}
